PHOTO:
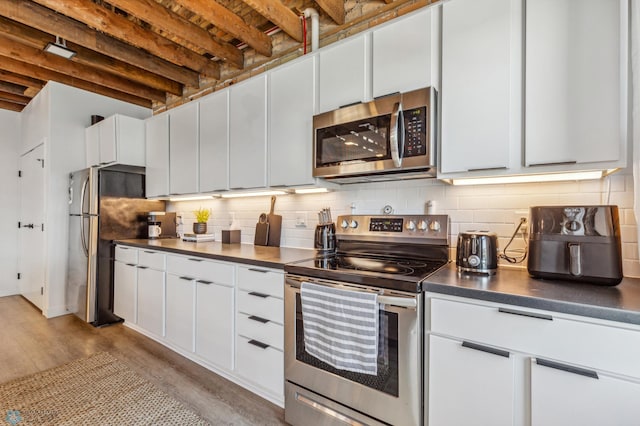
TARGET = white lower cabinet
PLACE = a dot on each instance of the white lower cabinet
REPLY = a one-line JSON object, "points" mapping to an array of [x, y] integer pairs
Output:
{"points": [[181, 293], [151, 288], [214, 323], [125, 290], [469, 384], [495, 364]]}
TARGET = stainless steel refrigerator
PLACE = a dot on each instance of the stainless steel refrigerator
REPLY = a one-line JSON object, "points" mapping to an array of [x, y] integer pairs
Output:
{"points": [[105, 204]]}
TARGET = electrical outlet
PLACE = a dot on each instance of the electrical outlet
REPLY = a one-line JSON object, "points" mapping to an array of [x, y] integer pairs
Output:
{"points": [[518, 217], [301, 219]]}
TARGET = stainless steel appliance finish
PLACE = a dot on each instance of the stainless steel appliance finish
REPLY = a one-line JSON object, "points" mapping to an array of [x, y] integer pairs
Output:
{"points": [[388, 255], [392, 137], [577, 243], [104, 205], [477, 252]]}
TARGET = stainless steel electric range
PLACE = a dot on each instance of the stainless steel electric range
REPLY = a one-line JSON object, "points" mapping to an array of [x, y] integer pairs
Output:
{"points": [[387, 255]]}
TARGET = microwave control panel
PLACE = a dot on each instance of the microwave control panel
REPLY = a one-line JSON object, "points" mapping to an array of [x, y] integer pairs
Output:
{"points": [[415, 132]]}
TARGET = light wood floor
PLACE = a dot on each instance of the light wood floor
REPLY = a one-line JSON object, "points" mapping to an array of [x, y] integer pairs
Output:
{"points": [[32, 343]]}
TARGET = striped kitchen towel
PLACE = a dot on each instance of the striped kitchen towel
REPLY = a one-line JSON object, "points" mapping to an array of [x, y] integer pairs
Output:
{"points": [[341, 327]]}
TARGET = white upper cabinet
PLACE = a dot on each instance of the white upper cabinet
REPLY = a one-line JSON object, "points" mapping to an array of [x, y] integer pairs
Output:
{"points": [[480, 81], [575, 81], [183, 149], [404, 53], [157, 144], [248, 134], [116, 140], [291, 106], [214, 142], [343, 74]]}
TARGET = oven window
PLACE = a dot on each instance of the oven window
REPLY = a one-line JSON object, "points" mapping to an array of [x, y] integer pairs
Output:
{"points": [[364, 140], [387, 379]]}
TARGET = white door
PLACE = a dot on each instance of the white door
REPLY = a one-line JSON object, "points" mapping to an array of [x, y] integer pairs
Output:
{"points": [[183, 149], [214, 142], [32, 236], [180, 301], [214, 323], [157, 148]]}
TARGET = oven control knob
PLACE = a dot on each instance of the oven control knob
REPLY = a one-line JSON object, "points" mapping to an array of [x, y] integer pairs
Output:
{"points": [[434, 226], [344, 224], [353, 224], [422, 225], [411, 226]]}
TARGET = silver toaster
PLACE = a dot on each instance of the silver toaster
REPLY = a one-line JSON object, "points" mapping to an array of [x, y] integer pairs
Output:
{"points": [[578, 243]]}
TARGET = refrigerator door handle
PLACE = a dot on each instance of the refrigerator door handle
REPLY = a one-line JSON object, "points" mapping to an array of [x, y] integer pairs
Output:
{"points": [[83, 234]]}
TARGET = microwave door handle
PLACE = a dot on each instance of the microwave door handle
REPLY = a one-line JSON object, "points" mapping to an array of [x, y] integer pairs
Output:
{"points": [[396, 136]]}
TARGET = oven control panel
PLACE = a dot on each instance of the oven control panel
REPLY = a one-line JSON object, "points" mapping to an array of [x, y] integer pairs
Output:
{"points": [[433, 227]]}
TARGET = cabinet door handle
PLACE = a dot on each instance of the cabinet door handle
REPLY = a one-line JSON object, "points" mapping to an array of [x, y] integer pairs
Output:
{"points": [[123, 248], [262, 295], [487, 349], [205, 282], [130, 264], [525, 314], [195, 260], [568, 368], [186, 278], [143, 267], [262, 271], [559, 163], [150, 252], [258, 344], [487, 169], [258, 319]]}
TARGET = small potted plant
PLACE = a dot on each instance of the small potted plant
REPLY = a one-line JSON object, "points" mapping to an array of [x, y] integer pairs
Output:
{"points": [[202, 216]]}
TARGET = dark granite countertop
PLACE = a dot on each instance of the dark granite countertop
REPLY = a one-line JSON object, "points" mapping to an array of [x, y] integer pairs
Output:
{"points": [[515, 286], [268, 257]]}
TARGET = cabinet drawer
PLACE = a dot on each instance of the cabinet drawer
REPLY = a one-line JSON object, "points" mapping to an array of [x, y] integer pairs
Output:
{"points": [[266, 331], [152, 259], [261, 305], [199, 268], [126, 254], [576, 340], [263, 280], [263, 366]]}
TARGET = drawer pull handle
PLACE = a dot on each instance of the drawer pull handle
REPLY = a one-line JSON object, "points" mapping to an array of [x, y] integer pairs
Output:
{"points": [[150, 252], [123, 248], [194, 260], [143, 267], [262, 271], [186, 278], [487, 349], [567, 368], [205, 282], [262, 295], [130, 264], [258, 344], [525, 314], [259, 319]]}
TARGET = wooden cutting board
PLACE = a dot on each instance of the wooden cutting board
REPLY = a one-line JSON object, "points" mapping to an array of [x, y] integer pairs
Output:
{"points": [[275, 225], [262, 231]]}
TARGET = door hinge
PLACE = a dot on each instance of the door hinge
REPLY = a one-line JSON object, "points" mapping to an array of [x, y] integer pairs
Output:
{"points": [[18, 275], [19, 173]]}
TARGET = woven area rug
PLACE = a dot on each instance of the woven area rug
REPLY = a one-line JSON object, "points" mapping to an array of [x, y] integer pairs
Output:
{"points": [[98, 390]]}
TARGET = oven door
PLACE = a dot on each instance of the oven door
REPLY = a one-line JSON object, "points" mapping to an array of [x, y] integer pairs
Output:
{"points": [[393, 396]]}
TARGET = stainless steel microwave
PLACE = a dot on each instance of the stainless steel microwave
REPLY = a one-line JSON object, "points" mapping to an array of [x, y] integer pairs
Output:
{"points": [[392, 137]]}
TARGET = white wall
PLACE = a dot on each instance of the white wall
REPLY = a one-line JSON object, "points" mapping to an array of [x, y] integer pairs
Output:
{"points": [[9, 201], [488, 207]]}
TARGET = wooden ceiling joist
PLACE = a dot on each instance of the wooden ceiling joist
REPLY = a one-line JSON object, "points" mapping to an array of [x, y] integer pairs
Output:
{"points": [[23, 100], [121, 28], [11, 106], [36, 72], [15, 89], [155, 14], [334, 8], [21, 80], [228, 21], [280, 15], [32, 14]]}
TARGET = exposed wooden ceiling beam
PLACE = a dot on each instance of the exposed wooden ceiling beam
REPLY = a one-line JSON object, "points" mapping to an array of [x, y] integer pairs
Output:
{"points": [[121, 28], [11, 106], [21, 80], [12, 49], [280, 15], [32, 71], [38, 39], [14, 98], [34, 15], [155, 14], [16, 89], [334, 8], [229, 22]]}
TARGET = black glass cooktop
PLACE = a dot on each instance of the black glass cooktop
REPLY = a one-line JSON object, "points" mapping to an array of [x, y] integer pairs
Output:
{"points": [[400, 274]]}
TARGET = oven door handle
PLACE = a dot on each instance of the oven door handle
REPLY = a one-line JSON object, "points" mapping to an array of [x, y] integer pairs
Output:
{"points": [[402, 302]]}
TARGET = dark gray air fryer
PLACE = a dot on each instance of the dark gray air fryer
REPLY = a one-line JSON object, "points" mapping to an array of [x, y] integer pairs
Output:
{"points": [[578, 243]]}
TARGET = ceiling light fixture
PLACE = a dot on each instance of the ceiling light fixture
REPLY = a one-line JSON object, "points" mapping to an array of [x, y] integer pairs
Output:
{"points": [[60, 48], [546, 177]]}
